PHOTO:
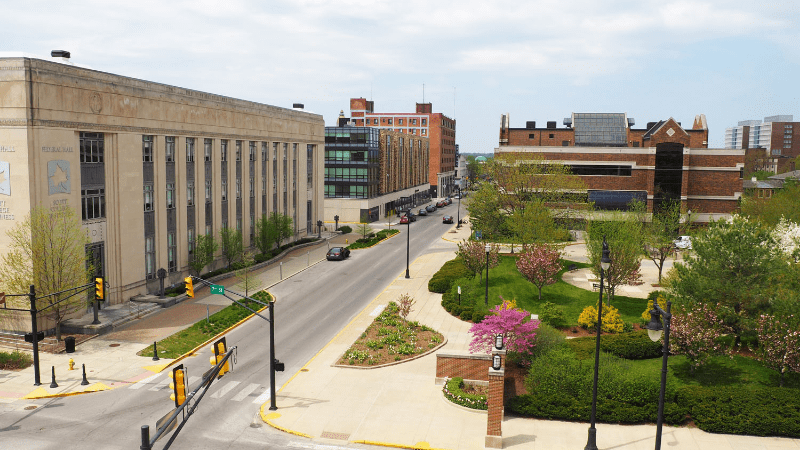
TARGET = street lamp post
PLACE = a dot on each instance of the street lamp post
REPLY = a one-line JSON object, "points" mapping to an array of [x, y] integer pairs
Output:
{"points": [[408, 245], [336, 219], [459, 207], [605, 263], [488, 248], [319, 229], [654, 329]]}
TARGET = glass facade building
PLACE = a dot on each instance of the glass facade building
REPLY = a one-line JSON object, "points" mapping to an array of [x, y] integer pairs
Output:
{"points": [[600, 129], [352, 162]]}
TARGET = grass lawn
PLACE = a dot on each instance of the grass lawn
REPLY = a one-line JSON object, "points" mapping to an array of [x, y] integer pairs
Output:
{"points": [[185, 340], [506, 281]]}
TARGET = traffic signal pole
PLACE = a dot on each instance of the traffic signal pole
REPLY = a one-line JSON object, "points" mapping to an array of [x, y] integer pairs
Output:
{"points": [[272, 405], [37, 379]]}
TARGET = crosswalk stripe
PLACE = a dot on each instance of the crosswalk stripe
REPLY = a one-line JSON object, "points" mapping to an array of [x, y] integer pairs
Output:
{"points": [[143, 382], [225, 389], [245, 392], [263, 397]]}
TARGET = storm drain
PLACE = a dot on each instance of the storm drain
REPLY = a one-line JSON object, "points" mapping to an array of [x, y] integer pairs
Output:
{"points": [[337, 436]]}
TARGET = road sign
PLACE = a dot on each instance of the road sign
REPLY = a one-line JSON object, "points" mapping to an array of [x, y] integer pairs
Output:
{"points": [[217, 289]]}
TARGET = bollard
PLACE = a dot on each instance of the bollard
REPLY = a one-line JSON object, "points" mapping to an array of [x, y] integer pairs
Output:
{"points": [[281, 268], [145, 438], [71, 364], [54, 384], [308, 258], [155, 352], [85, 382]]}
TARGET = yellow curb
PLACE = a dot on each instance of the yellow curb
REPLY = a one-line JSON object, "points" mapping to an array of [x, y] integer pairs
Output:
{"points": [[63, 394], [422, 445], [219, 335], [157, 368], [38, 393], [97, 387], [267, 418]]}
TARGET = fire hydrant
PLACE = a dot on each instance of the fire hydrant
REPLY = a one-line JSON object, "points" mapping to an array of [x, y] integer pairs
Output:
{"points": [[71, 364], [345, 242]]}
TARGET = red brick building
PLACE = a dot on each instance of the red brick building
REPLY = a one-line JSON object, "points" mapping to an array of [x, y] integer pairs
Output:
{"points": [[438, 128], [619, 163]]}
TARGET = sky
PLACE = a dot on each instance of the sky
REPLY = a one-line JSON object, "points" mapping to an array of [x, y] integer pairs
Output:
{"points": [[536, 60]]}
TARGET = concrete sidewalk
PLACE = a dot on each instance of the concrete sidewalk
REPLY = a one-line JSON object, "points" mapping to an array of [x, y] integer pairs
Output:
{"points": [[401, 406]]}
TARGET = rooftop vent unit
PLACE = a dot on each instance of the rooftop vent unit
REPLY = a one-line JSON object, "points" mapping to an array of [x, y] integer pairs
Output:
{"points": [[631, 122], [650, 125], [531, 124], [551, 124], [298, 105], [59, 54], [568, 122]]}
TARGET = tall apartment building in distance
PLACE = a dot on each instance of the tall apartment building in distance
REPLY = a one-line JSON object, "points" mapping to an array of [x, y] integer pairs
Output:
{"points": [[438, 128], [372, 172], [148, 167], [619, 163], [772, 144]]}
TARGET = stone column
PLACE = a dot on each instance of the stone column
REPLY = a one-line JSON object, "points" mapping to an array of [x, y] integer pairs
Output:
{"points": [[494, 433]]}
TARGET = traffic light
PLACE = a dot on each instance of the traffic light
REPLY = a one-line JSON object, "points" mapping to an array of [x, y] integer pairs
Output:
{"points": [[220, 348], [178, 385], [99, 289], [189, 286]]}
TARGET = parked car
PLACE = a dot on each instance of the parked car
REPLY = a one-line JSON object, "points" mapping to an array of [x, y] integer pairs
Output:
{"points": [[423, 212], [447, 219], [411, 216], [430, 208], [449, 200], [683, 242], [441, 204], [404, 219], [339, 253]]}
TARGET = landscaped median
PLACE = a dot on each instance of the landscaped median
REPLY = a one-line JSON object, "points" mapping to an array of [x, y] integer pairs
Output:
{"points": [[372, 240], [185, 340]]}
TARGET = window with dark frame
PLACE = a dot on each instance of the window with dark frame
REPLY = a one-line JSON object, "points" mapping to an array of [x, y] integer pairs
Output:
{"points": [[147, 148], [189, 150], [169, 149], [148, 197]]}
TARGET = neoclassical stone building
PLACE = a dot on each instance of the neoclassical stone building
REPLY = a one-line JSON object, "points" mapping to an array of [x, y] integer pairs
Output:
{"points": [[148, 167]]}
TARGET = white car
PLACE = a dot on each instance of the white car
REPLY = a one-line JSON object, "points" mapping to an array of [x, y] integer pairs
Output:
{"points": [[683, 242]]}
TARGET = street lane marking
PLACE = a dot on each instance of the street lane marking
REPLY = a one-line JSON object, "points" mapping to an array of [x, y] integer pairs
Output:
{"points": [[143, 382], [263, 397], [225, 389], [378, 309], [245, 392]]}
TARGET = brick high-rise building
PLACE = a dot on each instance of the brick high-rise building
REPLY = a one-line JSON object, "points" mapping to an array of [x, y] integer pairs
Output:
{"points": [[619, 163], [438, 128], [770, 145]]}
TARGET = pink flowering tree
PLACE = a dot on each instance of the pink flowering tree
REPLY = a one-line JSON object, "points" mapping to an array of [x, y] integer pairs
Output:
{"points": [[779, 343], [539, 265], [694, 333], [519, 332], [473, 253]]}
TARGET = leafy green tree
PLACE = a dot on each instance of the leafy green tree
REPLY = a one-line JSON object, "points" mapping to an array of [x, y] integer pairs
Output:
{"points": [[204, 250], [266, 234], [364, 229], [232, 245], [48, 250], [734, 263], [624, 235], [769, 211], [247, 279], [484, 214], [532, 223], [660, 232], [473, 255]]}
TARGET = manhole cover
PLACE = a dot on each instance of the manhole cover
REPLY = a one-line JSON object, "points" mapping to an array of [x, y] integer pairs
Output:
{"points": [[28, 408], [114, 345]]}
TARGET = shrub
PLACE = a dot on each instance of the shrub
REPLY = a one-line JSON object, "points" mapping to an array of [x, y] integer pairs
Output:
{"points": [[478, 316], [633, 345], [757, 411], [612, 322], [553, 315], [453, 391], [466, 314], [345, 229], [442, 280], [547, 339], [15, 360]]}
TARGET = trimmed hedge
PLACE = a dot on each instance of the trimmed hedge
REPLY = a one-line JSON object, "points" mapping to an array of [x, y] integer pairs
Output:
{"points": [[345, 229], [372, 239], [756, 411], [442, 280], [453, 391], [633, 345]]}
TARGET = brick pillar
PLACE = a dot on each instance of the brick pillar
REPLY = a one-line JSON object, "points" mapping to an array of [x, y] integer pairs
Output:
{"points": [[494, 433]]}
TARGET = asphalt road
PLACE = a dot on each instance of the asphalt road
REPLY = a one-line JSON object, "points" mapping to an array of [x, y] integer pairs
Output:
{"points": [[312, 307]]}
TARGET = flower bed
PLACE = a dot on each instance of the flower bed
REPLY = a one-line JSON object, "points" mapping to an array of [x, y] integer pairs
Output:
{"points": [[469, 396]]}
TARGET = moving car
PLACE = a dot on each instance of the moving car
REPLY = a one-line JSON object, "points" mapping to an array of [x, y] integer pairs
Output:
{"points": [[447, 219], [683, 242], [339, 253], [423, 212]]}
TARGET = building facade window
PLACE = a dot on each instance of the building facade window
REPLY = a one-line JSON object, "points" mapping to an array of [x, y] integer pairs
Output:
{"points": [[149, 258], [208, 190], [238, 150], [170, 195], [147, 148], [189, 149], [263, 151], [169, 149], [190, 243], [92, 148], [172, 251], [252, 187], [252, 151], [238, 188], [310, 166], [224, 190], [190, 193], [93, 204], [148, 197], [223, 148], [207, 146]]}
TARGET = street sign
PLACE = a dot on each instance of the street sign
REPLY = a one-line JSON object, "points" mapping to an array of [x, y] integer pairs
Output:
{"points": [[217, 289], [39, 337]]}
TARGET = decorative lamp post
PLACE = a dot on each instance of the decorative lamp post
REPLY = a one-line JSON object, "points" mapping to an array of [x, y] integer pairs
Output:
{"points": [[654, 330], [408, 244], [497, 362], [498, 342], [459, 296], [486, 300], [336, 219], [319, 229], [459, 207], [605, 263]]}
